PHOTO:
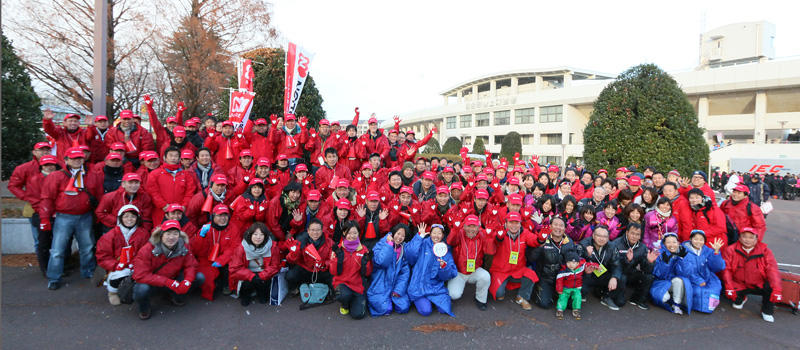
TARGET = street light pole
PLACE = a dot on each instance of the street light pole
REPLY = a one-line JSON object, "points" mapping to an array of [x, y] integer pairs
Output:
{"points": [[100, 58]]}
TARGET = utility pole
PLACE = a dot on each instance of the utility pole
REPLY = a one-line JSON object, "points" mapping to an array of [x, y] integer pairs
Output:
{"points": [[100, 58]]}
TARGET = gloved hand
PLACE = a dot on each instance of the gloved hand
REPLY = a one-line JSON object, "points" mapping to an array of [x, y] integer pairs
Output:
{"points": [[263, 275], [442, 264], [181, 106], [147, 100], [184, 287], [120, 267], [44, 225], [776, 297], [731, 294], [543, 236], [175, 286], [537, 217], [215, 264], [273, 119]]}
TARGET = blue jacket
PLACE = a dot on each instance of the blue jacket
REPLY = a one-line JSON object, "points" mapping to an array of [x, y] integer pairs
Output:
{"points": [[665, 268], [701, 269], [427, 278], [389, 274]]}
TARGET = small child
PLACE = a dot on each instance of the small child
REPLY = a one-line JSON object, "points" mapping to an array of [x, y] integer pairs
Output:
{"points": [[568, 284]]}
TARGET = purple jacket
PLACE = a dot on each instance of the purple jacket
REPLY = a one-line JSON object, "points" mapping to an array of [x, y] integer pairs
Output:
{"points": [[655, 226], [579, 229]]}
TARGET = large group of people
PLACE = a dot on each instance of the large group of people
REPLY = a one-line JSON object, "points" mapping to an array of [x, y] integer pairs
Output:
{"points": [[201, 205]]}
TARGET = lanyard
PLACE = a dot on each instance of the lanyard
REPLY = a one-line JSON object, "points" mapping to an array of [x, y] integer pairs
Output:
{"points": [[510, 246], [604, 256], [476, 248]]}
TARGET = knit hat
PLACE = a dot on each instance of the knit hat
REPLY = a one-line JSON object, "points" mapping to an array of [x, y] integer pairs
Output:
{"points": [[700, 173], [571, 256], [697, 232], [408, 165]]}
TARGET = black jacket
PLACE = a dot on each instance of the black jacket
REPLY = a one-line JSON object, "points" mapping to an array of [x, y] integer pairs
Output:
{"points": [[639, 262], [607, 255], [549, 257]]}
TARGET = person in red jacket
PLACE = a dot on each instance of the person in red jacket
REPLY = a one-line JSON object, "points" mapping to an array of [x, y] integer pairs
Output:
{"points": [[285, 217], [98, 144], [130, 193], [743, 212], [698, 180], [226, 146], [509, 270], [289, 139], [213, 247], [251, 206], [134, 137], [703, 215], [67, 195], [201, 205], [319, 143], [302, 177], [164, 135], [179, 140], [341, 214], [750, 268], [164, 263], [279, 176], [351, 151], [329, 172], [314, 207], [71, 134], [175, 212], [239, 177], [149, 162], [374, 141], [255, 261], [469, 244], [365, 182], [257, 135], [169, 184], [117, 248], [309, 254], [372, 220], [351, 264]]}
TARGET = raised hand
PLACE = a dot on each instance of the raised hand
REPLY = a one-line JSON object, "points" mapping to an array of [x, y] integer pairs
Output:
{"points": [[629, 255], [147, 100], [421, 228], [717, 244], [48, 114], [652, 255], [361, 211], [181, 106], [303, 121], [297, 215], [384, 214]]}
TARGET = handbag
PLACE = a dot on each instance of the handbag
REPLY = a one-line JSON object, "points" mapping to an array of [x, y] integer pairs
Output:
{"points": [[279, 287], [766, 207], [313, 293], [125, 289]]}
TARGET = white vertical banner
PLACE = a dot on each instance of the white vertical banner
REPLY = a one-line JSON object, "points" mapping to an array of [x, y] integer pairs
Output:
{"points": [[298, 60]]}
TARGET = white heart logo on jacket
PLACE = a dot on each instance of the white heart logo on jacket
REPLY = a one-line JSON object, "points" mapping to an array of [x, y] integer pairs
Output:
{"points": [[261, 208], [251, 207], [273, 180], [494, 212], [465, 210], [246, 179], [458, 223]]}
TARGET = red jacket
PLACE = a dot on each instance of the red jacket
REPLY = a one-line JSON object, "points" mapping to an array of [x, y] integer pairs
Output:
{"points": [[567, 278], [109, 247], [324, 175], [202, 247], [141, 139], [238, 179], [352, 153], [375, 144], [711, 221], [145, 263], [239, 267], [163, 136], [247, 210], [299, 257], [744, 271], [348, 268], [187, 146], [26, 183], [317, 146], [502, 266], [226, 150], [99, 147], [684, 191], [111, 202], [55, 200], [65, 140], [260, 145], [362, 185], [291, 148], [465, 248], [278, 179], [274, 212], [739, 214], [165, 188], [195, 208]]}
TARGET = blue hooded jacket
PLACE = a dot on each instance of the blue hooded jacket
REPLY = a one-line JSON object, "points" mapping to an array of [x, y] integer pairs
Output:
{"points": [[389, 274], [700, 269], [664, 272], [427, 278]]}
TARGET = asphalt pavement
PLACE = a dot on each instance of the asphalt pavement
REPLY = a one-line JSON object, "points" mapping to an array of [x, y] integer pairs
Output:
{"points": [[78, 316]]}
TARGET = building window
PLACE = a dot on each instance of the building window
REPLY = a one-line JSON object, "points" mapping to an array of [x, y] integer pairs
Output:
{"points": [[550, 114], [484, 87], [451, 122], [526, 80], [466, 121], [502, 117], [551, 139], [502, 83], [527, 139], [550, 160], [524, 116], [466, 140], [482, 119], [498, 139]]}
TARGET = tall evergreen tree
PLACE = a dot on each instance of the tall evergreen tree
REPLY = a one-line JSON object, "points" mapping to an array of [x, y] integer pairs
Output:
{"points": [[478, 147], [452, 146], [512, 143]]}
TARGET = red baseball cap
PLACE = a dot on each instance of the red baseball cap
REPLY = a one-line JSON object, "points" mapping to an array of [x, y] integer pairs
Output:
{"points": [[290, 117], [261, 121], [406, 189], [602, 171], [518, 169], [148, 155], [263, 161], [343, 203], [282, 157], [448, 169], [126, 114], [256, 181], [366, 166], [131, 177], [429, 175], [481, 177], [324, 122], [221, 209], [410, 132], [372, 120], [219, 179], [442, 189], [40, 145], [113, 156], [179, 131], [72, 115], [75, 152], [84, 148], [48, 159], [393, 131], [336, 122], [172, 119], [513, 181], [622, 169], [314, 195], [456, 186], [187, 154], [175, 207], [100, 118], [488, 171], [472, 220], [513, 216], [515, 198], [635, 181], [342, 183], [477, 163], [300, 167], [467, 169], [245, 153], [117, 146], [191, 123], [482, 194], [373, 196], [227, 123], [170, 225], [742, 188], [552, 169]]}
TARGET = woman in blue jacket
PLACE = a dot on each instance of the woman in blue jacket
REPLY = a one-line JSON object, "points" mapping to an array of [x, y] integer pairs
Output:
{"points": [[668, 288], [390, 274], [429, 272], [700, 266]]}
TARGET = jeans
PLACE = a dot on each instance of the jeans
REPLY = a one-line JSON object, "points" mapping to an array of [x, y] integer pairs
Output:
{"points": [[525, 288], [142, 292], [64, 227], [544, 294], [356, 303]]}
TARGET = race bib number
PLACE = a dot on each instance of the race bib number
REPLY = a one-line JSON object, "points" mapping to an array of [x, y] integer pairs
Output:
{"points": [[600, 270], [512, 259], [470, 265]]}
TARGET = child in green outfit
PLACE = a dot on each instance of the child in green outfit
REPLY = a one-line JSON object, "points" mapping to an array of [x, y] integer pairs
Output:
{"points": [[568, 285]]}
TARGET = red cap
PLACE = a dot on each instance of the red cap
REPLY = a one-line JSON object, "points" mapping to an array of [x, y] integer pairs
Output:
{"points": [[372, 120], [172, 119], [472, 220], [100, 118], [552, 169], [175, 207], [429, 175], [749, 229], [513, 181], [742, 188], [221, 209], [488, 171], [148, 155], [300, 167], [72, 115], [518, 169], [406, 189], [482, 194], [393, 131], [48, 159], [674, 172], [125, 114], [261, 121], [84, 148], [314, 195], [456, 186], [324, 122], [282, 157], [39, 145], [113, 156], [481, 177], [131, 177], [245, 153], [191, 123], [75, 152], [448, 169], [256, 181], [622, 169], [442, 189], [170, 225], [343, 203], [373, 196], [263, 161], [515, 198], [136, 116], [366, 166], [227, 123], [410, 132], [342, 183], [117, 146], [187, 154], [195, 120], [289, 117], [336, 122], [219, 179], [513, 216], [179, 131], [635, 181], [602, 171], [467, 169]]}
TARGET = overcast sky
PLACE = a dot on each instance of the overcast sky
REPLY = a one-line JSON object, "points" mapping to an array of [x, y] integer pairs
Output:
{"points": [[396, 57]]}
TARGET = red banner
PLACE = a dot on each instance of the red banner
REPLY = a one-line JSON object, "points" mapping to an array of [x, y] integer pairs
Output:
{"points": [[297, 64], [241, 103], [246, 75]]}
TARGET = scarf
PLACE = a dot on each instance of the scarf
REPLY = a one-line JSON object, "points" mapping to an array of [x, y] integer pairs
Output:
{"points": [[127, 232], [351, 246], [290, 142], [178, 249], [172, 168], [287, 203], [664, 214], [255, 255], [204, 172], [220, 198], [76, 180]]}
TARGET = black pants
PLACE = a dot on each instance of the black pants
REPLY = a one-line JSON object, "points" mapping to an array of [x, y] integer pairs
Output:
{"points": [[599, 286], [257, 285], [356, 303], [767, 307], [640, 282], [525, 289], [297, 275], [545, 292]]}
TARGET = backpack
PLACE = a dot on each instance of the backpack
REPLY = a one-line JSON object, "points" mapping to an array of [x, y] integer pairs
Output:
{"points": [[730, 226]]}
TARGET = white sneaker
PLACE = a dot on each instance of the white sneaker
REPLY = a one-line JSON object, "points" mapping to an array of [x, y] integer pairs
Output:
{"points": [[677, 310], [741, 305], [767, 318]]}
